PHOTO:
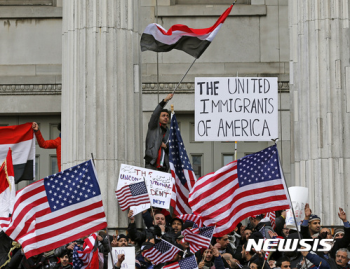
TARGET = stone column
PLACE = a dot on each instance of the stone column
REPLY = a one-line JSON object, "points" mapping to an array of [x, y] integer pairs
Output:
{"points": [[101, 97], [320, 103]]}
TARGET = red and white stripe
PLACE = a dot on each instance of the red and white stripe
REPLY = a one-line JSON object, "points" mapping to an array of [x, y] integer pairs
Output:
{"points": [[38, 229], [157, 257], [272, 216], [219, 200], [177, 31], [191, 217], [87, 254], [180, 193], [126, 199], [195, 239], [7, 187]]}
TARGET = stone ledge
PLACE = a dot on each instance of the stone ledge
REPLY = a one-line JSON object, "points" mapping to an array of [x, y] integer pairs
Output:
{"points": [[42, 89], [16, 12], [210, 11], [151, 88]]}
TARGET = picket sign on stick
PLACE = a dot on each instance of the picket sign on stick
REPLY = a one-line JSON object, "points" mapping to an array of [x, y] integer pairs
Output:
{"points": [[236, 108]]}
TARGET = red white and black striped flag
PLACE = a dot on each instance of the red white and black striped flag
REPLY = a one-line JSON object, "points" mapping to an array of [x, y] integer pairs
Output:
{"points": [[181, 37], [248, 186], [20, 138]]}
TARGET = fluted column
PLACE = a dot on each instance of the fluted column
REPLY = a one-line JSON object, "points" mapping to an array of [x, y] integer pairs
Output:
{"points": [[101, 97], [320, 103]]}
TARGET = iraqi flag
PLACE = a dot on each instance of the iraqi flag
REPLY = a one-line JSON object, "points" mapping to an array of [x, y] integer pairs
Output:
{"points": [[20, 138], [7, 187], [181, 37]]}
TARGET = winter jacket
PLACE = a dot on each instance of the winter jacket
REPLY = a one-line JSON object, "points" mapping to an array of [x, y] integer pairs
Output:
{"points": [[316, 260], [154, 138]]}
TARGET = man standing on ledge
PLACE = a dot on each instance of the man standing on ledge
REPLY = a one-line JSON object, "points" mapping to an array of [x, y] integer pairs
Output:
{"points": [[157, 151]]}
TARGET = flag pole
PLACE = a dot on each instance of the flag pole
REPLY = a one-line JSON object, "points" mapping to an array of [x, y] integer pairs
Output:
{"points": [[107, 235], [290, 200], [184, 76]]}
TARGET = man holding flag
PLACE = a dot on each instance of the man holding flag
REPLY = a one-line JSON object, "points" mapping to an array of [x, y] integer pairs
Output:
{"points": [[157, 152]]}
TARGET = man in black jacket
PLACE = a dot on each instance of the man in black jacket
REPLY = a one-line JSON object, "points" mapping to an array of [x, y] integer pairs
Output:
{"points": [[156, 155]]}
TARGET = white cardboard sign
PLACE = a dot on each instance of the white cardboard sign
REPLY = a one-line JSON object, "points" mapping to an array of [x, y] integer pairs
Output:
{"points": [[236, 109], [299, 197], [159, 185], [129, 253]]}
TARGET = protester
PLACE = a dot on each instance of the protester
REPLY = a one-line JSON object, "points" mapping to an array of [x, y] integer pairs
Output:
{"points": [[49, 144], [283, 263], [280, 222], [159, 230], [342, 258], [64, 261], [313, 222], [315, 260], [211, 259], [142, 262], [223, 245], [157, 151]]}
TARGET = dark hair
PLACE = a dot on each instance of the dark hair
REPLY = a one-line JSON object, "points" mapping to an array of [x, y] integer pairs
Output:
{"points": [[165, 110], [59, 127], [155, 214], [282, 259], [64, 253]]}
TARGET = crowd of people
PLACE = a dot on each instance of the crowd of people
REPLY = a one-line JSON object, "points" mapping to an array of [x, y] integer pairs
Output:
{"points": [[229, 251]]}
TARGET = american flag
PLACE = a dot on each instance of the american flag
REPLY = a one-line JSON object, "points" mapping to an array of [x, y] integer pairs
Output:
{"points": [[272, 216], [198, 238], [181, 171], [191, 217], [249, 186], [83, 259], [187, 263], [161, 252], [132, 195], [56, 210]]}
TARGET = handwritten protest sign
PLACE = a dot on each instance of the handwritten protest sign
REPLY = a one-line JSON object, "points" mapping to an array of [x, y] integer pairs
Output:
{"points": [[299, 197], [129, 253], [236, 109], [159, 185]]}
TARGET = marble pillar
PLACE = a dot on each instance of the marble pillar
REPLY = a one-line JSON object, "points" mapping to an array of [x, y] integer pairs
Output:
{"points": [[320, 103], [101, 92]]}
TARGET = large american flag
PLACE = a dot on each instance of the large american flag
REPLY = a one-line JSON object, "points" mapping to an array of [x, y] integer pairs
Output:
{"points": [[181, 171], [161, 252], [198, 238], [187, 263], [249, 186], [132, 195], [56, 210]]}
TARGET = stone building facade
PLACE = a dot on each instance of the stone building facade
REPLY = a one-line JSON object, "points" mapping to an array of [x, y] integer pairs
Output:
{"points": [[80, 62]]}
